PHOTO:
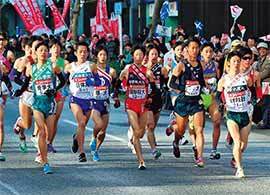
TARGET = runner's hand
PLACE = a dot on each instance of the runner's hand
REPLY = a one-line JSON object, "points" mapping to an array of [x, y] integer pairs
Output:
{"points": [[116, 103], [50, 92]]}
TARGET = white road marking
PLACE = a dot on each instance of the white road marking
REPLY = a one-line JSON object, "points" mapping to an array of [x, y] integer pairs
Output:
{"points": [[90, 129], [9, 188]]}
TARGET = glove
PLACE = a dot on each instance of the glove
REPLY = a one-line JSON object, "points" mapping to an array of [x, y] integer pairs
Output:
{"points": [[17, 93], [221, 108], [50, 92], [116, 103]]}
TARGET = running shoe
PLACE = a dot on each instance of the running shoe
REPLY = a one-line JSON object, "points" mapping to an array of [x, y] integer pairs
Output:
{"points": [[93, 145], [16, 128], [47, 169], [233, 163], [82, 157], [214, 155], [23, 146], [51, 148], [176, 150], [195, 153], [38, 158], [229, 142], [96, 156], [184, 141], [75, 145], [142, 166], [2, 157], [169, 129], [34, 140], [130, 143], [156, 154], [199, 162], [240, 173]]}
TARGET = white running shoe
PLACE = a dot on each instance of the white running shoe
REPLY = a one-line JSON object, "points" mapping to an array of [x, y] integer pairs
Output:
{"points": [[38, 158], [35, 141], [2, 157], [240, 173]]}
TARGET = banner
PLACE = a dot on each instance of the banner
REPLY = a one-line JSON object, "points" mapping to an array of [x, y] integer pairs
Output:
{"points": [[236, 11], [114, 25], [265, 88], [66, 8], [59, 23], [164, 31], [93, 26], [102, 21], [164, 11], [27, 19], [242, 30], [40, 19]]}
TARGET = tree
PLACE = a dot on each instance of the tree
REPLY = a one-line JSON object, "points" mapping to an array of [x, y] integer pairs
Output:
{"points": [[156, 16], [74, 19]]}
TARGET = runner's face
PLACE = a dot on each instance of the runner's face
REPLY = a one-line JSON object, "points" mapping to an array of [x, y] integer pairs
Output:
{"points": [[234, 64], [102, 57], [178, 51], [153, 56], [42, 53], [82, 53], [193, 49], [138, 56], [246, 61], [55, 50], [207, 53], [28, 50], [3, 42], [34, 44]]}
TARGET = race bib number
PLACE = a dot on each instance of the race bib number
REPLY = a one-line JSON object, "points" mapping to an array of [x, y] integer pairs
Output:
{"points": [[192, 88], [42, 85], [265, 88], [137, 92], [101, 93]]}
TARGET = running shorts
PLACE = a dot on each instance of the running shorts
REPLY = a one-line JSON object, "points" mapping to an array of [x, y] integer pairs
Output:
{"points": [[137, 106], [102, 106], [85, 105], [240, 118]]}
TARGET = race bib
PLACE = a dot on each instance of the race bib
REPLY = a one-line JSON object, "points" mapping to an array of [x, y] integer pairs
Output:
{"points": [[192, 88], [137, 92], [42, 85], [101, 93], [265, 88]]}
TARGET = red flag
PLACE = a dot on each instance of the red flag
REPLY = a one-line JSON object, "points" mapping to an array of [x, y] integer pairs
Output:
{"points": [[66, 8], [102, 21], [59, 23]]}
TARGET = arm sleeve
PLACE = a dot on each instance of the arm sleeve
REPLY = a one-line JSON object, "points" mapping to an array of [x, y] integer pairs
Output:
{"points": [[6, 80], [62, 81], [17, 77], [25, 83], [173, 84]]}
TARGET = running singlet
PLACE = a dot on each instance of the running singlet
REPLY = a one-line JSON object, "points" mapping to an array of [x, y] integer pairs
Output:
{"points": [[210, 75], [236, 93], [137, 83], [102, 92], [77, 78], [156, 69], [42, 78], [191, 81]]}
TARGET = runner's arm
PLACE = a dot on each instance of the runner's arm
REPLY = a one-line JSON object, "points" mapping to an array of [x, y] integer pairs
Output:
{"points": [[175, 74]]}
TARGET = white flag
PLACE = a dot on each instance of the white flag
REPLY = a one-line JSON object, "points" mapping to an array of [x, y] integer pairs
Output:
{"points": [[265, 38], [236, 11]]}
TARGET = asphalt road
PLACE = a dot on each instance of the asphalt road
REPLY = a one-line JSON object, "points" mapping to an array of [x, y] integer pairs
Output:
{"points": [[117, 171]]}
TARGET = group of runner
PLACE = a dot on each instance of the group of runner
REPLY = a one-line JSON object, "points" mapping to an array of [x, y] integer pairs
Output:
{"points": [[197, 86]]}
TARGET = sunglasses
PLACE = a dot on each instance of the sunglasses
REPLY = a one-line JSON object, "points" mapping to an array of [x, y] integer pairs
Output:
{"points": [[2, 39], [246, 58]]}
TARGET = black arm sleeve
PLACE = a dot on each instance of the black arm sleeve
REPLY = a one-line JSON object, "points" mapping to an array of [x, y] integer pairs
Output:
{"points": [[25, 84], [116, 87], [17, 77], [62, 81], [218, 98], [173, 84], [6, 80]]}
